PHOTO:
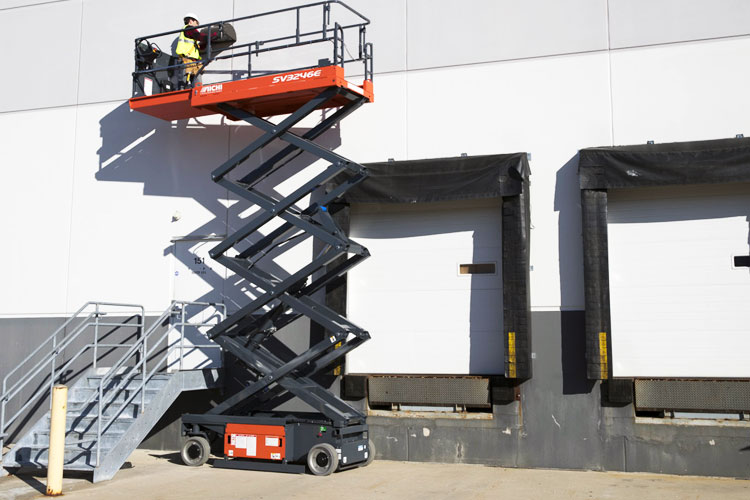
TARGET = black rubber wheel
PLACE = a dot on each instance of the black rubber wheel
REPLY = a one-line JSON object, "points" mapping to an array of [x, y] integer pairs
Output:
{"points": [[370, 453], [322, 459], [195, 451]]}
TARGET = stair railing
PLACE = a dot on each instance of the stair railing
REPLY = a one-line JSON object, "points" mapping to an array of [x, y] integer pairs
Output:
{"points": [[140, 353], [52, 350]]}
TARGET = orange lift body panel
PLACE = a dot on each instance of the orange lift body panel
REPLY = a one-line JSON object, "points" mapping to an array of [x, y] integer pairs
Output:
{"points": [[255, 441], [270, 95]]}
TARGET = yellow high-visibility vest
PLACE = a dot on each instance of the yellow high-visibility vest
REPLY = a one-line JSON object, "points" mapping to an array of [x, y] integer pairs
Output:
{"points": [[187, 47]]}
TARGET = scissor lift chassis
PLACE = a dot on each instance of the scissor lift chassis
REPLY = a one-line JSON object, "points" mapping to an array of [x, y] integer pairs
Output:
{"points": [[302, 433], [282, 300]]}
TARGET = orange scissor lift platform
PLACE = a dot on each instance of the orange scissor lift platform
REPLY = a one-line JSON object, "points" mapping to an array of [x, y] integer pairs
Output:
{"points": [[271, 95], [256, 434]]}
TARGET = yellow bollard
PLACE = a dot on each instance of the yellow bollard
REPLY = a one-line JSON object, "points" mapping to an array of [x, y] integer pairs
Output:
{"points": [[57, 440]]}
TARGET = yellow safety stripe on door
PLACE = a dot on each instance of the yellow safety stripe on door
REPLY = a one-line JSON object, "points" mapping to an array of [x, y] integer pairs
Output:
{"points": [[511, 354], [603, 360]]}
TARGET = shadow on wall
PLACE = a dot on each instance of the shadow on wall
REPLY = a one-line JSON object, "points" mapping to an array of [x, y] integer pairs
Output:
{"points": [[572, 327], [175, 159], [486, 346]]}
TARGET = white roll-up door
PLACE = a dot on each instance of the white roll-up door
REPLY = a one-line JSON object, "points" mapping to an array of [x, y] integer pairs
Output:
{"points": [[679, 306], [427, 314]]}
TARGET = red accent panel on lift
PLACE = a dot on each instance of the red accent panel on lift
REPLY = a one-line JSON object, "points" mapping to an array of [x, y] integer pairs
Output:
{"points": [[255, 441], [263, 96]]}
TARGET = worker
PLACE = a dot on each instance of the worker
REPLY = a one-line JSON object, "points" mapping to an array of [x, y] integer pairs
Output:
{"points": [[188, 48]]}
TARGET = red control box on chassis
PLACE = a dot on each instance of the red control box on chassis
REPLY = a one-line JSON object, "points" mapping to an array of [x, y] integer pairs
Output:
{"points": [[254, 441]]}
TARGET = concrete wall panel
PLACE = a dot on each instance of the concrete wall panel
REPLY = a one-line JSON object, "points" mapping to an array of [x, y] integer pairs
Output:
{"points": [[648, 22], [109, 28], [35, 203], [133, 174], [387, 31], [548, 107], [445, 33], [378, 131], [45, 72], [681, 92]]}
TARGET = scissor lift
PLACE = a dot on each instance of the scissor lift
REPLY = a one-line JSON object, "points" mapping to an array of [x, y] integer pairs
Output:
{"points": [[253, 434]]}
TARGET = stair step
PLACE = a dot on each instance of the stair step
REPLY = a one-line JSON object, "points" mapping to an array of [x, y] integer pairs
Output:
{"points": [[130, 410], [159, 380], [76, 457], [109, 438], [86, 423], [81, 394], [120, 417]]}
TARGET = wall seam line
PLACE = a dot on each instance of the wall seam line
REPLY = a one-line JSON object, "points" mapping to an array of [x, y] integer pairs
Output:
{"points": [[461, 65], [2, 9], [609, 77], [71, 225], [406, 78]]}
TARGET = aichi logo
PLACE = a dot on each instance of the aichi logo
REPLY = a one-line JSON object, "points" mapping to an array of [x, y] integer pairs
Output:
{"points": [[211, 89]]}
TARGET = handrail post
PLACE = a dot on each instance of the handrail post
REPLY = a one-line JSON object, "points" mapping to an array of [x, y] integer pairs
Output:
{"points": [[326, 20], [182, 334], [368, 61], [96, 336], [338, 45], [335, 43], [361, 41], [99, 424], [144, 354], [296, 36], [208, 54], [52, 373], [2, 419]]}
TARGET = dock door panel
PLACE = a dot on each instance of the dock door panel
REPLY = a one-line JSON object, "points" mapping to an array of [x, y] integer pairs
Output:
{"points": [[680, 307], [431, 293]]}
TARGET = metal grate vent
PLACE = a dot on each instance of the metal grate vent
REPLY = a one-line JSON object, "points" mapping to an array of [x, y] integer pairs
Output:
{"points": [[448, 391], [687, 395]]}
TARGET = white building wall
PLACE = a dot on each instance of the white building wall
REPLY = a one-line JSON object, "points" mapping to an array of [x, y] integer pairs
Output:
{"points": [[91, 189]]}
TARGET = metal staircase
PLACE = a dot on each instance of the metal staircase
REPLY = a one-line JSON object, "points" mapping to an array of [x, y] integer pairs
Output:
{"points": [[110, 409]]}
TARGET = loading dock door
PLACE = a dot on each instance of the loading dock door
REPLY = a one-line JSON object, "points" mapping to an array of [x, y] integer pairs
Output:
{"points": [[425, 315], [679, 306]]}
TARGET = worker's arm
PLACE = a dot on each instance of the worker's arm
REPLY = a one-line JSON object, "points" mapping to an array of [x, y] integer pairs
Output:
{"points": [[196, 35]]}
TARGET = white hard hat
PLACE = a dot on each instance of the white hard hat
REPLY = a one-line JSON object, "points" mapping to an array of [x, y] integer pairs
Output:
{"points": [[189, 15]]}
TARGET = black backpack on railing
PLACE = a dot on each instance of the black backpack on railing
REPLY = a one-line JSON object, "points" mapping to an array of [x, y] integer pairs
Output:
{"points": [[223, 36]]}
